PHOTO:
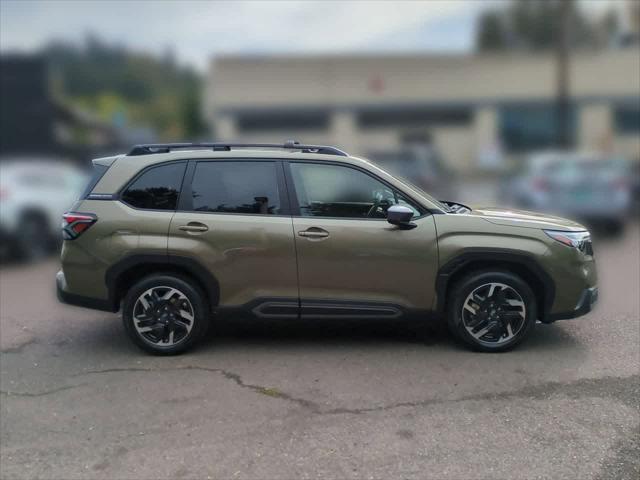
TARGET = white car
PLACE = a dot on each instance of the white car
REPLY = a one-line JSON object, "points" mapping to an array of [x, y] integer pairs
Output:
{"points": [[34, 193]]}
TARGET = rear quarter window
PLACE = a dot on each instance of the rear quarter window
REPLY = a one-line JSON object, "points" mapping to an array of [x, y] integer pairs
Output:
{"points": [[157, 188], [96, 174]]}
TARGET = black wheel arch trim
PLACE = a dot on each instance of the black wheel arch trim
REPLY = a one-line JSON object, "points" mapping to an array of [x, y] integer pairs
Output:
{"points": [[481, 254], [80, 300], [191, 266]]}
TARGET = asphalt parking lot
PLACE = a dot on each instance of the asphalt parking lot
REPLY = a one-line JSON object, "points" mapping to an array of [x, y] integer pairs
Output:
{"points": [[284, 399]]}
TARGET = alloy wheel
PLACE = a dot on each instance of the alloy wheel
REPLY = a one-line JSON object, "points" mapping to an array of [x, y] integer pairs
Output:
{"points": [[493, 313], [163, 316]]}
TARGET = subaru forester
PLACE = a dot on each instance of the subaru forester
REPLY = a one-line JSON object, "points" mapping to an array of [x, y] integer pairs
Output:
{"points": [[173, 235]]}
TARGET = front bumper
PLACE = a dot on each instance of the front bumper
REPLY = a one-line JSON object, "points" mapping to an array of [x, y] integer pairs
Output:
{"points": [[586, 303], [69, 298]]}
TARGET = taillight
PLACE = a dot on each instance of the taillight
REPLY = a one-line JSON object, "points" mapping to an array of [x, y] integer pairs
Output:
{"points": [[75, 224]]}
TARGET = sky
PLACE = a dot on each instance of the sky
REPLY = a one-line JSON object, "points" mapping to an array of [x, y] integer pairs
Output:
{"points": [[197, 30]]}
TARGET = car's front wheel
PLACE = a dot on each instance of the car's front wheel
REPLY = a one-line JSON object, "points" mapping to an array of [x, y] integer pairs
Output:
{"points": [[165, 314], [492, 311]]}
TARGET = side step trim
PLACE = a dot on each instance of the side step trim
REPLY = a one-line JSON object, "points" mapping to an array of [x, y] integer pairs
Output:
{"points": [[283, 307], [348, 310], [276, 309]]}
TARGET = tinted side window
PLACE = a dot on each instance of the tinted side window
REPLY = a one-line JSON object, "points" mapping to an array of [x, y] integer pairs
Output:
{"points": [[236, 187], [158, 188], [336, 191]]}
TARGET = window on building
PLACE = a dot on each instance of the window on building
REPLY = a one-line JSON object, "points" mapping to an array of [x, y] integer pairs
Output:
{"points": [[236, 187], [627, 119], [157, 188], [300, 120], [532, 127], [336, 191], [408, 117]]}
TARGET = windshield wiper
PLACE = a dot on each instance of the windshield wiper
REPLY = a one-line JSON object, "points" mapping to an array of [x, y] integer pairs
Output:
{"points": [[454, 207]]}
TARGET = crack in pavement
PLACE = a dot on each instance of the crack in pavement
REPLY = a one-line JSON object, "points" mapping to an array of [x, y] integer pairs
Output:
{"points": [[616, 387], [268, 391], [622, 461], [625, 389], [20, 347], [44, 393]]}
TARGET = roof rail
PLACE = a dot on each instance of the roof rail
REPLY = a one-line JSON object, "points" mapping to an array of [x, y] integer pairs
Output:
{"points": [[150, 148]]}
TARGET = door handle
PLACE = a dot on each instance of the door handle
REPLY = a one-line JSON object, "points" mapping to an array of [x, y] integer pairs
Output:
{"points": [[314, 232], [194, 227]]}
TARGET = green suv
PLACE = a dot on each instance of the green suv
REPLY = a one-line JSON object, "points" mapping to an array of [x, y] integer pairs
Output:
{"points": [[177, 234]]}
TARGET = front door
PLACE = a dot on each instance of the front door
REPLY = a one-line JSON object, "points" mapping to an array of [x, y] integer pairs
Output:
{"points": [[351, 261], [233, 219]]}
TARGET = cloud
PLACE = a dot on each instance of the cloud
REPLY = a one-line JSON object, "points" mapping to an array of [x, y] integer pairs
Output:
{"points": [[196, 30]]}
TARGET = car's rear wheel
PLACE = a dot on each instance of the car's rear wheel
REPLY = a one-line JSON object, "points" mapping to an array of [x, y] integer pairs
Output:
{"points": [[492, 311], [165, 314]]}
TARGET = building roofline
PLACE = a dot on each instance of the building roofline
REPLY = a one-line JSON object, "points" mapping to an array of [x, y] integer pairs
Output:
{"points": [[320, 57], [413, 105]]}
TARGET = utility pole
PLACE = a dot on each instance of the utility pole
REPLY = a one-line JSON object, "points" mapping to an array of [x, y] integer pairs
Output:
{"points": [[562, 119]]}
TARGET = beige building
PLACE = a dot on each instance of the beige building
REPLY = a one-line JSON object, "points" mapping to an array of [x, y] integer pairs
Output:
{"points": [[467, 106]]}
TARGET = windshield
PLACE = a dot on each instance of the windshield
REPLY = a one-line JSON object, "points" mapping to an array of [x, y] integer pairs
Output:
{"points": [[411, 186], [438, 203]]}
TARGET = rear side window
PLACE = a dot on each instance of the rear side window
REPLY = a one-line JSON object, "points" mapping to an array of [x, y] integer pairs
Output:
{"points": [[96, 174], [236, 187], [157, 188]]}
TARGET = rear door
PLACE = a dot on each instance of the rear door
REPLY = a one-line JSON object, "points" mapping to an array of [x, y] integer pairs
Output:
{"points": [[233, 218]]}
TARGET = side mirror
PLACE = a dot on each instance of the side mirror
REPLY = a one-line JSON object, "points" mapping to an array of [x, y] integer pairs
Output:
{"points": [[400, 216]]}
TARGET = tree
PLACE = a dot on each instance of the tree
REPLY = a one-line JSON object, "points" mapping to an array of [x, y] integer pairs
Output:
{"points": [[533, 25], [491, 34], [115, 84], [192, 115]]}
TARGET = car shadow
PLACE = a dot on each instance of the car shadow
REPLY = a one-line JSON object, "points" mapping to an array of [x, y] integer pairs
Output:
{"points": [[276, 333], [106, 337], [550, 337], [243, 329]]}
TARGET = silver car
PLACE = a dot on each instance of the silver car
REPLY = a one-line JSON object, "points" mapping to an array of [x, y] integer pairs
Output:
{"points": [[590, 187]]}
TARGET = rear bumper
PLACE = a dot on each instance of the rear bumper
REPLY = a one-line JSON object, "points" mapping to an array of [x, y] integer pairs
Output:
{"points": [[586, 302], [65, 296]]}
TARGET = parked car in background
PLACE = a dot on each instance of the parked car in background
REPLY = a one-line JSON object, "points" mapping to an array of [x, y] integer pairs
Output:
{"points": [[635, 187], [34, 193], [592, 188], [420, 165]]}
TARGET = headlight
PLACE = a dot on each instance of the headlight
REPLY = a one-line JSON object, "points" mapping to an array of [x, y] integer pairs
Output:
{"points": [[579, 240]]}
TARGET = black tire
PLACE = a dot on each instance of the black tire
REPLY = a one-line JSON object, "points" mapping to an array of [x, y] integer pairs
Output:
{"points": [[35, 241], [197, 303], [615, 228], [476, 280]]}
